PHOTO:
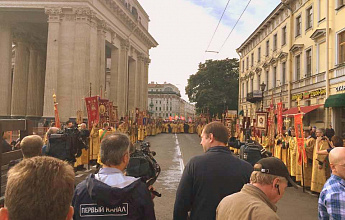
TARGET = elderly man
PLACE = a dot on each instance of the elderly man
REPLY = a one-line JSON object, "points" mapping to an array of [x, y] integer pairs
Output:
{"points": [[257, 200], [332, 197], [110, 194], [39, 188], [208, 178]]}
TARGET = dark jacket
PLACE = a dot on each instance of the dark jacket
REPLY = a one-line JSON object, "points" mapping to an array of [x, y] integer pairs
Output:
{"points": [[94, 199], [206, 180], [5, 147]]}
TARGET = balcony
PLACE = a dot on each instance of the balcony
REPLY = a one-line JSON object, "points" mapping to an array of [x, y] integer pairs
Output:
{"points": [[340, 70], [254, 96], [309, 80]]}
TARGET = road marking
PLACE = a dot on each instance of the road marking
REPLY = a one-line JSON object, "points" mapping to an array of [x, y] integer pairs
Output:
{"points": [[179, 153]]}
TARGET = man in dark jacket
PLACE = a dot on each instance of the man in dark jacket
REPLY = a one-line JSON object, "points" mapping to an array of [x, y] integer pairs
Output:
{"points": [[110, 194], [208, 178]]}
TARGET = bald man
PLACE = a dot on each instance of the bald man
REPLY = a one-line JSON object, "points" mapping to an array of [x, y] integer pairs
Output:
{"points": [[332, 197]]}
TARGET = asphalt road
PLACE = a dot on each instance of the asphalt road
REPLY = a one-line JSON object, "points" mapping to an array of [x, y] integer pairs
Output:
{"points": [[174, 151]]}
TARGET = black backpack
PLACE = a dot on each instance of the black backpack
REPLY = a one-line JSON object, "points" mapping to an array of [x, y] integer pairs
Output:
{"points": [[251, 153]]}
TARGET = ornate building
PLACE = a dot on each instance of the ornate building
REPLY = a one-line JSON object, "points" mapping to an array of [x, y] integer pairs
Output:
{"points": [[298, 51], [62, 47], [165, 100]]}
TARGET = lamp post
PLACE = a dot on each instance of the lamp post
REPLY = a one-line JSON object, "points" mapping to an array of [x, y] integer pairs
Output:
{"points": [[262, 88], [151, 106]]}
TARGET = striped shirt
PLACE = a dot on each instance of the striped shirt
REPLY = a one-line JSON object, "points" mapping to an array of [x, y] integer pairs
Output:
{"points": [[332, 199]]}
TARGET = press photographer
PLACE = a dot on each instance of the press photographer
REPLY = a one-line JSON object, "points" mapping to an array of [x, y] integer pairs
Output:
{"points": [[110, 194]]}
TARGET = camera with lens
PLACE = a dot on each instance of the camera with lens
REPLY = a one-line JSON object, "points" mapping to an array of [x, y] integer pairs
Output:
{"points": [[143, 164], [67, 144], [250, 151]]}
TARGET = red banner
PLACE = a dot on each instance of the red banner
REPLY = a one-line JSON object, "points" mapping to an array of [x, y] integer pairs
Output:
{"points": [[300, 139], [92, 110], [280, 118]]}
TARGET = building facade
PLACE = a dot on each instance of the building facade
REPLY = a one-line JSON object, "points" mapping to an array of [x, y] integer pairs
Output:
{"points": [[62, 47], [297, 52], [164, 100]]}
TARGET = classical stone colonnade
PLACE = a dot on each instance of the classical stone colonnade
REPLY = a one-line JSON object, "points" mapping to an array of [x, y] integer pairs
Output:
{"points": [[65, 50]]}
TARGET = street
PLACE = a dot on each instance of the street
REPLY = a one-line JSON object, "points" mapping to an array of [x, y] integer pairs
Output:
{"points": [[172, 149]]}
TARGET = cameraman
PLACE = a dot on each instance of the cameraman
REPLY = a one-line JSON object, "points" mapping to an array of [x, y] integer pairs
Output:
{"points": [[110, 194]]}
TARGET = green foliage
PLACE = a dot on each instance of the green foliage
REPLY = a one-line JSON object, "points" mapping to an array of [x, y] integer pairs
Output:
{"points": [[214, 86]]}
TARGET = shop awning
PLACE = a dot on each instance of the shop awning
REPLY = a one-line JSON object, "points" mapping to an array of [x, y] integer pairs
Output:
{"points": [[304, 109], [337, 100]]}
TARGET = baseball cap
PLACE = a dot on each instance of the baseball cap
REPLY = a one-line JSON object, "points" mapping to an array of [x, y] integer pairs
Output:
{"points": [[275, 166]]}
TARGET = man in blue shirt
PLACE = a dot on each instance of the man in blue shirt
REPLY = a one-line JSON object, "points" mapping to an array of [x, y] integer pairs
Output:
{"points": [[332, 197]]}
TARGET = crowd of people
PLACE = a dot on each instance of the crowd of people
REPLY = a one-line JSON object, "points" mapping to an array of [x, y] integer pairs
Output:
{"points": [[215, 185]]}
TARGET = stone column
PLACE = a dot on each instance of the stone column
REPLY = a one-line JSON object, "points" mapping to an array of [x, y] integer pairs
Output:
{"points": [[142, 84], [32, 83], [101, 47], [66, 67], [52, 61], [146, 80], [41, 66], [114, 76], [5, 64], [132, 85], [20, 80], [138, 82], [81, 71], [122, 80], [94, 58]]}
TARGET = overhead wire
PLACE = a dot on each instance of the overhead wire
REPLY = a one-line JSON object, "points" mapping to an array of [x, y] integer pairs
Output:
{"points": [[214, 33], [234, 26]]}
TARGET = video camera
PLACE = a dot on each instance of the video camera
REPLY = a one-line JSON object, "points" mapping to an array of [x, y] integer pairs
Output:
{"points": [[67, 144], [143, 164], [250, 151]]}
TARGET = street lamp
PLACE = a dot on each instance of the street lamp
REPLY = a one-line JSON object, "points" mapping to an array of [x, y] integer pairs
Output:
{"points": [[262, 88], [151, 106]]}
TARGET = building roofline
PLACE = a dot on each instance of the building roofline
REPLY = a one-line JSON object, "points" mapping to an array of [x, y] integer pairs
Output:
{"points": [[278, 8]]}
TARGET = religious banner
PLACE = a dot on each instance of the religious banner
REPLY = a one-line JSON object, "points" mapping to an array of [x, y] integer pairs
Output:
{"points": [[190, 120], [104, 111], [80, 117], [300, 138], [280, 118], [92, 110], [170, 118], [176, 117], [261, 120]]}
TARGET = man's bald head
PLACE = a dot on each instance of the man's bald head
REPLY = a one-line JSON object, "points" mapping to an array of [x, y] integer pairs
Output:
{"points": [[337, 155], [31, 146]]}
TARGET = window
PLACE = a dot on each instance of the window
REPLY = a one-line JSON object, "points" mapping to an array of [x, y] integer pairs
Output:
{"points": [[259, 54], [284, 35], [247, 88], [156, 108], [242, 90], [298, 25], [252, 59], [274, 79], [341, 48], [275, 42], [283, 73], [247, 62], [242, 65], [160, 108], [308, 62], [267, 48], [340, 3], [298, 67], [309, 18], [259, 81], [267, 72], [251, 85]]}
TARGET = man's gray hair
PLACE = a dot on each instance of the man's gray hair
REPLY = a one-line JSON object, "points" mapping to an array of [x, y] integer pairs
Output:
{"points": [[113, 148], [263, 178]]}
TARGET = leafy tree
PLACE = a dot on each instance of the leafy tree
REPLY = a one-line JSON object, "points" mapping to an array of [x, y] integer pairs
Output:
{"points": [[215, 86]]}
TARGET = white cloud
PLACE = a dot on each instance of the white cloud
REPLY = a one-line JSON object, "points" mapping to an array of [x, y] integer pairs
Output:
{"points": [[184, 29]]}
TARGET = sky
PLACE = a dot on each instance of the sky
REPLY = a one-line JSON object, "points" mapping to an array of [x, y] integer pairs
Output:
{"points": [[184, 28]]}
